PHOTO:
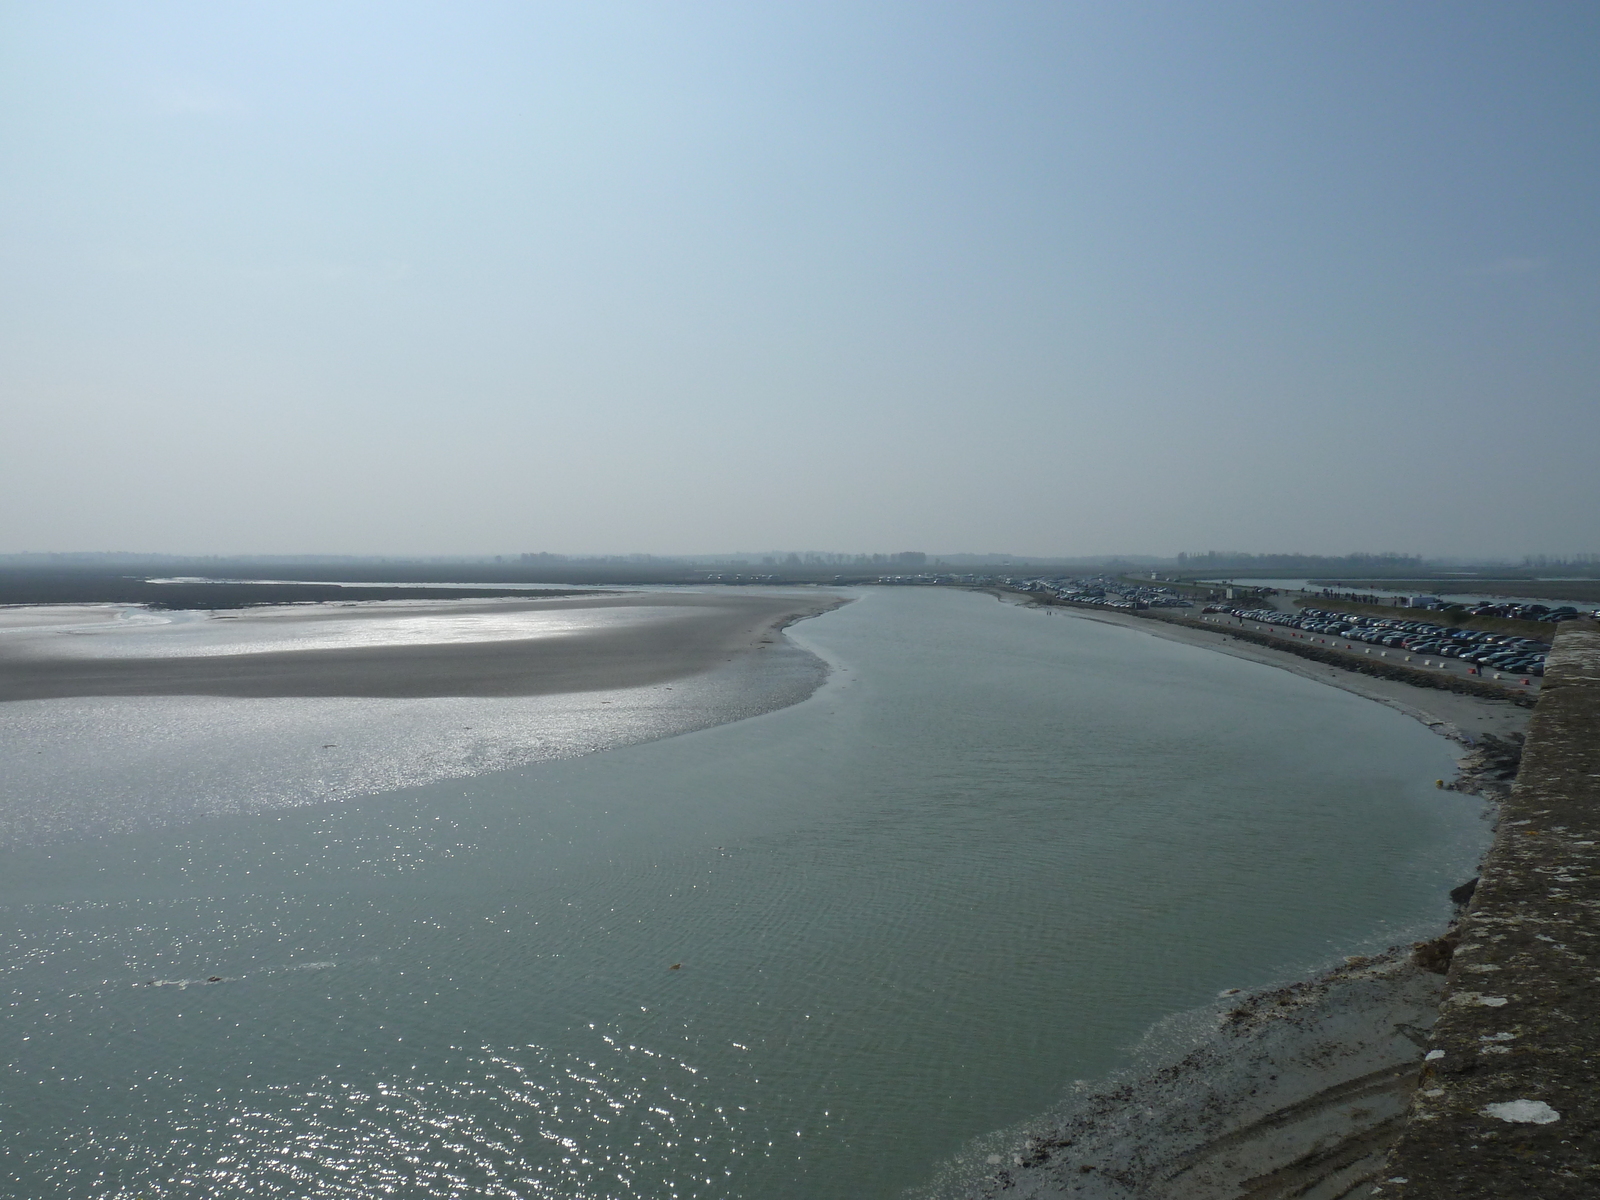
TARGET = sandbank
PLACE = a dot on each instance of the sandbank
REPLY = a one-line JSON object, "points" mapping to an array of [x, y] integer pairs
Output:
{"points": [[45, 616], [593, 643]]}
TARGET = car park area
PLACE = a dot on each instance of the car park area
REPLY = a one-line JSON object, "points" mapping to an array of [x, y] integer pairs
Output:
{"points": [[1489, 655]]}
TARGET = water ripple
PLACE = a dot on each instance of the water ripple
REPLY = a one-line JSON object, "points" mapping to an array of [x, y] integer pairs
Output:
{"points": [[620, 1121]]}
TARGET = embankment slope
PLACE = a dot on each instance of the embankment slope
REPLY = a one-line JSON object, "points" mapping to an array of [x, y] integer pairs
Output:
{"points": [[1507, 1103]]}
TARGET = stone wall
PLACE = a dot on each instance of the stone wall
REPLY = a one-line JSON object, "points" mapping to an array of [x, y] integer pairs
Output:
{"points": [[1508, 1104]]}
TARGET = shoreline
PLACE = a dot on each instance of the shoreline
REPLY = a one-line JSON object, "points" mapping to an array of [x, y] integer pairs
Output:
{"points": [[1299, 1089], [1457, 716], [1293, 1090]]}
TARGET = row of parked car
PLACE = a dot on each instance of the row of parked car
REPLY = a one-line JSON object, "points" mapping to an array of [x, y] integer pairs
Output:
{"points": [[1492, 651], [1103, 591], [1528, 612]]}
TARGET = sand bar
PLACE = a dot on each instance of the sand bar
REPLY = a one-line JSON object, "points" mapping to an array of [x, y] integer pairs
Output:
{"points": [[404, 650]]}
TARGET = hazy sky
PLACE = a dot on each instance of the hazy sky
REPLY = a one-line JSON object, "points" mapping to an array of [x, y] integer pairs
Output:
{"points": [[1052, 278]]}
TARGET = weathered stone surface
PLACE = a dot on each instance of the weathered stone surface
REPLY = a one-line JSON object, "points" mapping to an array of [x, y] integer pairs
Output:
{"points": [[1507, 1104]]}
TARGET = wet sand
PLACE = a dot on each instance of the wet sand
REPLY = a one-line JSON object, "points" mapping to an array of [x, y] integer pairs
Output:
{"points": [[43, 616], [683, 633], [1297, 1091]]}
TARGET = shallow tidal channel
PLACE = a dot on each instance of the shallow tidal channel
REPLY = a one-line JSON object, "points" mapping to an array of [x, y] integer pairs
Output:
{"points": [[811, 954]]}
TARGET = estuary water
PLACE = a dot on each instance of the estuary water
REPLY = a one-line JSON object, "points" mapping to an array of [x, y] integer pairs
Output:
{"points": [[814, 953]]}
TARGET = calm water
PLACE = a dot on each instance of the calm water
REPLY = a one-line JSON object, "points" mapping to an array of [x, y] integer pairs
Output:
{"points": [[975, 866]]}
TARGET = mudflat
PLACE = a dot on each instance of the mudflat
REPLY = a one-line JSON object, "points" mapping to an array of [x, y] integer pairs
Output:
{"points": [[1295, 1091], [413, 649]]}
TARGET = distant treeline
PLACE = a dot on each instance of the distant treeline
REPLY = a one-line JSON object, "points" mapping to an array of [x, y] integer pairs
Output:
{"points": [[59, 578], [1380, 566], [98, 587], [1215, 561], [64, 582], [1579, 591]]}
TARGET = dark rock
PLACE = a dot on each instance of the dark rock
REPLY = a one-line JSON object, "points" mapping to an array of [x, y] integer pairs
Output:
{"points": [[1435, 955], [1462, 894]]}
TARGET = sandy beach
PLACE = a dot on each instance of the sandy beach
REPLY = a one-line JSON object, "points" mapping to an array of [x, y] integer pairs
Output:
{"points": [[396, 650]]}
